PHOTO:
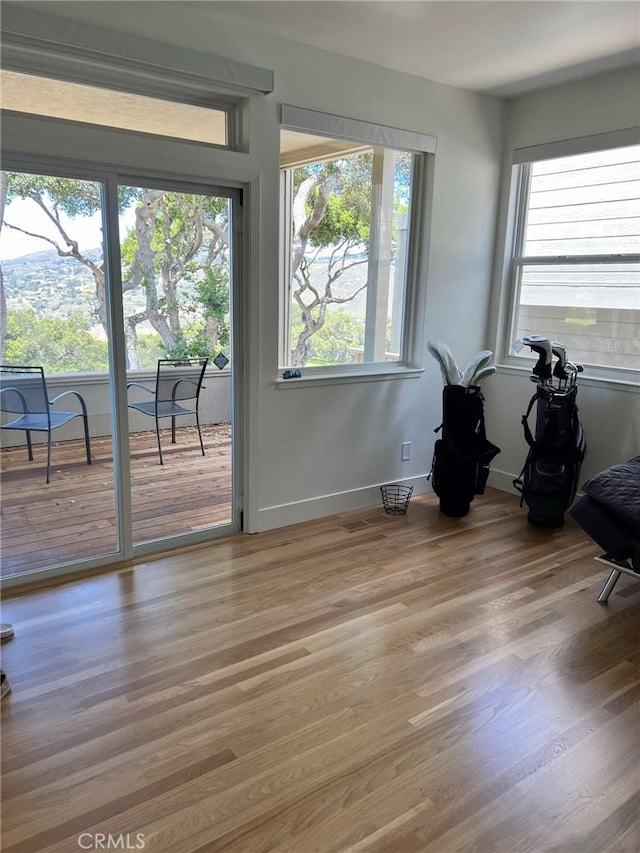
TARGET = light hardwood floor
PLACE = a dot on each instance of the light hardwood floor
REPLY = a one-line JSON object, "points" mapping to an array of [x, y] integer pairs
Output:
{"points": [[358, 683]]}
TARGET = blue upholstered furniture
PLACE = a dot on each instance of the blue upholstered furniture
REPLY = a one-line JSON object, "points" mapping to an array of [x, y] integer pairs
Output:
{"points": [[609, 512]]}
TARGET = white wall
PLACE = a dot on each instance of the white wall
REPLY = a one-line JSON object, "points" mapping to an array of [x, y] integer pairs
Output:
{"points": [[327, 448], [611, 415], [316, 450]]}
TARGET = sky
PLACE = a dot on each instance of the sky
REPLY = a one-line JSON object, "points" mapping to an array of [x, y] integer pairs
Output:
{"points": [[87, 230], [25, 214]]}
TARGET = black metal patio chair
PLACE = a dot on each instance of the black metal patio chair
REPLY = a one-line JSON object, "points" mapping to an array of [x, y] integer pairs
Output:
{"points": [[23, 392], [178, 382]]}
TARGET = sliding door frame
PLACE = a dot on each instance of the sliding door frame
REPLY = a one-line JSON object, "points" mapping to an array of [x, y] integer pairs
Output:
{"points": [[234, 196], [240, 185]]}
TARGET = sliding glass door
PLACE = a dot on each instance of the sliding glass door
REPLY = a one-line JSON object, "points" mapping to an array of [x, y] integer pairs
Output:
{"points": [[130, 315]]}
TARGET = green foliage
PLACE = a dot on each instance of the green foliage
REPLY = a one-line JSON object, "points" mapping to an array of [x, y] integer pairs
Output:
{"points": [[213, 295], [332, 342], [345, 218], [60, 345], [192, 343], [128, 248], [73, 197], [348, 212], [150, 349], [209, 333]]}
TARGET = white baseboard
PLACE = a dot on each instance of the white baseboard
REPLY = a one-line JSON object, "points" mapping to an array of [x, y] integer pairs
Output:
{"points": [[280, 515], [502, 480]]}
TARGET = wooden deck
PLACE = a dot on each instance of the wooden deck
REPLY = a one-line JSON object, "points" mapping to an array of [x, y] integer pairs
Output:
{"points": [[74, 516]]}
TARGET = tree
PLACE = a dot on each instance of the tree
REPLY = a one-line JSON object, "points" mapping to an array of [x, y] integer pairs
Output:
{"points": [[55, 196], [60, 345], [3, 301], [331, 221], [334, 342], [331, 210], [175, 242]]}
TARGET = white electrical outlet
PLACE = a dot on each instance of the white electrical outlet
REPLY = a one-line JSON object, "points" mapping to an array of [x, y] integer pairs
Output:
{"points": [[406, 451]]}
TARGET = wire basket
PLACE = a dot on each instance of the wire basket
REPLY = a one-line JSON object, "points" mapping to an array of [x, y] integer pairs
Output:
{"points": [[395, 498]]}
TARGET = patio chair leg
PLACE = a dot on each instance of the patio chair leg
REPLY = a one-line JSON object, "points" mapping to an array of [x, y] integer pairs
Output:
{"points": [[159, 445], [48, 455], [29, 446], [86, 438], [199, 433], [173, 430]]}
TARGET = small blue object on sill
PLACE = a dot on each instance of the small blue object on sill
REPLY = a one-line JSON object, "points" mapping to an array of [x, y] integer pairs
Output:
{"points": [[292, 374]]}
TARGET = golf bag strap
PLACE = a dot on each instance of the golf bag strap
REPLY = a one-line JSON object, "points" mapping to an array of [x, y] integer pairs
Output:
{"points": [[518, 483], [525, 422]]}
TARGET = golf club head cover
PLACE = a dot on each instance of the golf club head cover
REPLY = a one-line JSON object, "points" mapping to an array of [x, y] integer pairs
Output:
{"points": [[560, 351], [451, 373], [541, 346]]}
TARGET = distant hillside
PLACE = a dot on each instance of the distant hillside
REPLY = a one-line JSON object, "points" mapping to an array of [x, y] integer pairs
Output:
{"points": [[36, 261], [51, 285], [38, 268]]}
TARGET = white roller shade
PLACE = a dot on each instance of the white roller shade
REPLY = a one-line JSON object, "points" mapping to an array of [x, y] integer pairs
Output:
{"points": [[339, 127], [38, 43], [579, 145]]}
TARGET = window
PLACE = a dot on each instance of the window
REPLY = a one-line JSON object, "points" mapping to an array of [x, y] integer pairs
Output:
{"points": [[101, 76], [576, 265], [347, 217], [27, 93]]}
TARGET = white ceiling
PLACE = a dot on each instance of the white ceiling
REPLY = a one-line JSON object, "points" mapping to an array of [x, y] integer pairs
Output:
{"points": [[484, 46], [504, 46]]}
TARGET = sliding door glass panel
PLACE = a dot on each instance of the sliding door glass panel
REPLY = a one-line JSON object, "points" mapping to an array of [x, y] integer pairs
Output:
{"points": [[176, 280], [53, 316]]}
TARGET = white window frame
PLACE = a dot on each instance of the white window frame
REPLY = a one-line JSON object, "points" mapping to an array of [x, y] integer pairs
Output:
{"points": [[422, 147], [515, 259]]}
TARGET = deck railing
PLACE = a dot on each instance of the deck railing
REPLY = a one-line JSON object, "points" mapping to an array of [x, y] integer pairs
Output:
{"points": [[215, 403]]}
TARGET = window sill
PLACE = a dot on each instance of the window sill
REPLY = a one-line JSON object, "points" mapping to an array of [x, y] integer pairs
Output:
{"points": [[592, 377], [327, 378]]}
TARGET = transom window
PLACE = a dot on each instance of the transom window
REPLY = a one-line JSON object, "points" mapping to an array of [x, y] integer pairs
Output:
{"points": [[27, 93], [576, 265]]}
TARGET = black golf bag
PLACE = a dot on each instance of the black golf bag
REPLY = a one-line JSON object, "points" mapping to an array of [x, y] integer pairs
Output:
{"points": [[462, 457], [549, 478]]}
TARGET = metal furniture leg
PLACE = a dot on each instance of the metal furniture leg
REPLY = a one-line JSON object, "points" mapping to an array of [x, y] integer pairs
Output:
{"points": [[617, 567], [607, 589]]}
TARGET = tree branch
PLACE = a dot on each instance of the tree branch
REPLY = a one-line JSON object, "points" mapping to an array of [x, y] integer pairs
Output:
{"points": [[56, 221], [59, 250], [337, 300]]}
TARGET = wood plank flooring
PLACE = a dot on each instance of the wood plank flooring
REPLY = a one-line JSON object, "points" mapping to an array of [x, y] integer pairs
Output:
{"points": [[73, 517], [358, 683]]}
